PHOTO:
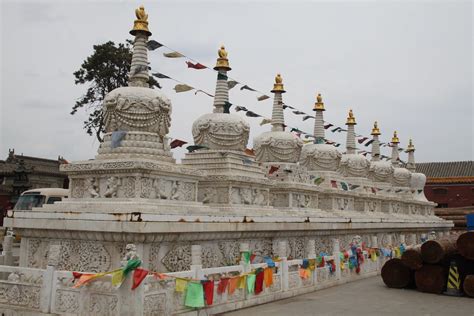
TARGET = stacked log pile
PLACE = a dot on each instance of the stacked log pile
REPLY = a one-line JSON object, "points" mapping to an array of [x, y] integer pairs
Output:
{"points": [[455, 214], [427, 267]]}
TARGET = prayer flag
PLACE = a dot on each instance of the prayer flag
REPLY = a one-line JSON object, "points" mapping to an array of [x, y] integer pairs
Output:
{"points": [[246, 256], [305, 263], [182, 88], [273, 169], [251, 283], [247, 161], [334, 184], [131, 265], [328, 126], [304, 274], [363, 139], [194, 295], [307, 117], [181, 285], [268, 277], [76, 275], [195, 147], [249, 152], [240, 108], [233, 282], [195, 66], [259, 281], [337, 129], [173, 55], [369, 142], [374, 190], [242, 282], [298, 112], [117, 137], [208, 287], [199, 90], [312, 264], [252, 114], [269, 262], [231, 84], [152, 45], [222, 285], [138, 276], [227, 106], [160, 75], [177, 143], [221, 76], [265, 121], [247, 88], [117, 278], [318, 180], [263, 97], [353, 186], [83, 279], [344, 186], [139, 69]]}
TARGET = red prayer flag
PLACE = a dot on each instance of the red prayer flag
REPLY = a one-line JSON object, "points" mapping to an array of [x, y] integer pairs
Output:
{"points": [[334, 183], [222, 285], [208, 291], [139, 275], [363, 139], [177, 143], [252, 256], [259, 282], [195, 66], [76, 275], [273, 169]]}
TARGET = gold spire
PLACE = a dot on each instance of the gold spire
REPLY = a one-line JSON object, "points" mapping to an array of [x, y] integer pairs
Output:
{"points": [[222, 61], [351, 119], [410, 147], [141, 23], [395, 139], [319, 105], [278, 85], [375, 130]]}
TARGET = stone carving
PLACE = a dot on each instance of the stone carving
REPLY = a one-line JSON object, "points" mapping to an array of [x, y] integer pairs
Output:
{"points": [[296, 247], [178, 258], [249, 196], [209, 195], [230, 252], [212, 256], [147, 189], [221, 131], [353, 165], [78, 188], [131, 254], [381, 171], [343, 204], [132, 109], [176, 190], [277, 146], [37, 253], [396, 208], [67, 301], [401, 177], [301, 200], [20, 295], [323, 244], [372, 206], [154, 304], [113, 184], [320, 157], [93, 187], [153, 263], [128, 187], [78, 255], [101, 304]]}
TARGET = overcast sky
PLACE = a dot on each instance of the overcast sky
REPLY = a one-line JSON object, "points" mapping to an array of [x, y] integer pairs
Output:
{"points": [[406, 64]]}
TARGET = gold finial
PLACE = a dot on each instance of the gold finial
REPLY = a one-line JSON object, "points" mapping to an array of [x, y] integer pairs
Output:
{"points": [[375, 130], [222, 61], [395, 139], [319, 105], [351, 119], [278, 85], [410, 147], [141, 23]]}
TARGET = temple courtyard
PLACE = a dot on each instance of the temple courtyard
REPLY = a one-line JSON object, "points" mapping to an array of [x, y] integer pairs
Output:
{"points": [[364, 297]]}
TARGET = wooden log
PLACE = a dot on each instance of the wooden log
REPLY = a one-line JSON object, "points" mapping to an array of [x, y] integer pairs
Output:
{"points": [[431, 279], [468, 286], [465, 245], [412, 257], [396, 274], [433, 251]]}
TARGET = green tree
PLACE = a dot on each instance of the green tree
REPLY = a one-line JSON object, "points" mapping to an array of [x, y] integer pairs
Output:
{"points": [[105, 70]]}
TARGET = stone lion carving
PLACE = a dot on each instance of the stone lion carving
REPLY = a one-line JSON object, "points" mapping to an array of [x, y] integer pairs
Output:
{"points": [[381, 171], [221, 131], [113, 184], [126, 110], [131, 254], [277, 147], [352, 165], [320, 157]]}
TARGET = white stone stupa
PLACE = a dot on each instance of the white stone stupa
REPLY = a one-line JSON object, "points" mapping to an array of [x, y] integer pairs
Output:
{"points": [[401, 176], [418, 180], [380, 171]]}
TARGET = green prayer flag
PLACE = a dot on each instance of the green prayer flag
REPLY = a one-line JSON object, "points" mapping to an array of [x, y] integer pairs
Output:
{"points": [[246, 255], [131, 265], [231, 84], [318, 181], [344, 186], [182, 88], [227, 106], [251, 283], [221, 76], [173, 55], [194, 295], [263, 97]]}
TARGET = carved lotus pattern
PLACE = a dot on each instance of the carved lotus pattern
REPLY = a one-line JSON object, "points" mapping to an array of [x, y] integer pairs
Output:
{"points": [[321, 157]]}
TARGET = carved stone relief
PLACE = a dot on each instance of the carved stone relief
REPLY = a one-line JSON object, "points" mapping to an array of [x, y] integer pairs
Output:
{"points": [[178, 258], [100, 304], [154, 304]]}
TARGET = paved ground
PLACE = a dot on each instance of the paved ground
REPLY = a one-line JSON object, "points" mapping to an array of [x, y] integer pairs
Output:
{"points": [[365, 297]]}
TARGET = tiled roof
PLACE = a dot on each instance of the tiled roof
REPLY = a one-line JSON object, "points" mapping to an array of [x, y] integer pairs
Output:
{"points": [[452, 169]]}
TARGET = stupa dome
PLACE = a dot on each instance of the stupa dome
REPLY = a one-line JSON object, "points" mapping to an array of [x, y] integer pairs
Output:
{"points": [[381, 171], [320, 157], [221, 131], [354, 165], [277, 146]]}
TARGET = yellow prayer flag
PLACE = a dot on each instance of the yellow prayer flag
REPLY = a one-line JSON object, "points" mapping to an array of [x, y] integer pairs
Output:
{"points": [[117, 277], [242, 282], [181, 285]]}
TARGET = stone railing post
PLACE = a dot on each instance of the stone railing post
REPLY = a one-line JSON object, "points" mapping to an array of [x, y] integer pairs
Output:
{"points": [[196, 262], [402, 239], [281, 252], [374, 243], [244, 247], [7, 250], [413, 239], [311, 249], [336, 250], [46, 292]]}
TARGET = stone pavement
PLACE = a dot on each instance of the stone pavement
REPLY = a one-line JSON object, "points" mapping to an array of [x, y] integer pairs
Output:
{"points": [[365, 297]]}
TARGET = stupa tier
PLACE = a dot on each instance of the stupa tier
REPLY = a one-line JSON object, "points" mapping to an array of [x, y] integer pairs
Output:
{"points": [[220, 196]]}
